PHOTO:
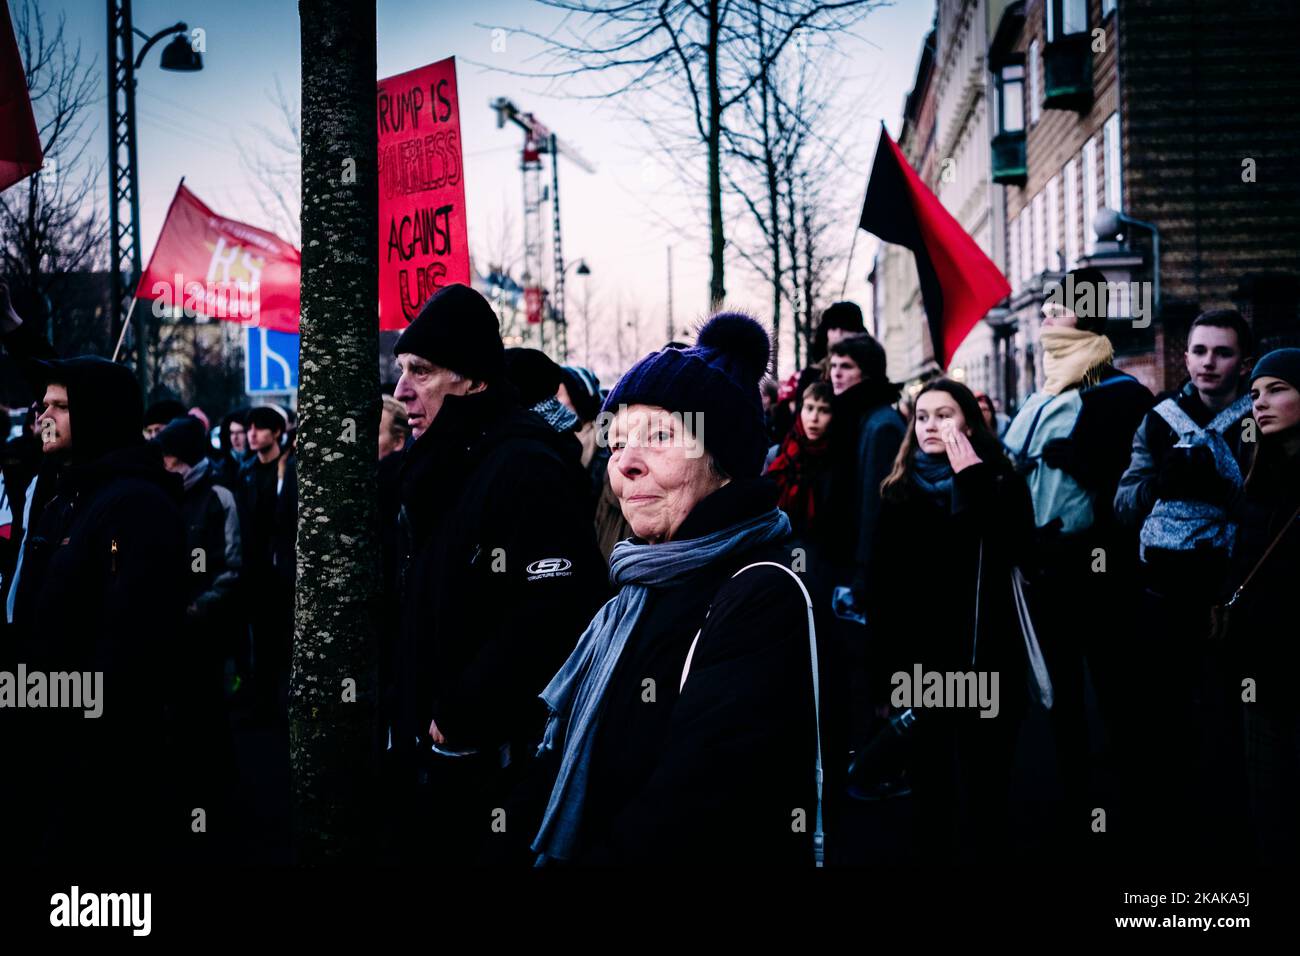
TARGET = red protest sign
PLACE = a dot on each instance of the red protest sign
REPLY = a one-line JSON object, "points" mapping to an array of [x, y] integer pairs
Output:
{"points": [[423, 240]]}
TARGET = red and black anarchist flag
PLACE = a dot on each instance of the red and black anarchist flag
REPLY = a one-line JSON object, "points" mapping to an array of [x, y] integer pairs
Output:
{"points": [[959, 283]]}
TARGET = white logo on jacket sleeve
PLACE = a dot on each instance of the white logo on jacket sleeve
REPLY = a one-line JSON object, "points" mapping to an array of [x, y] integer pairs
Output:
{"points": [[549, 568]]}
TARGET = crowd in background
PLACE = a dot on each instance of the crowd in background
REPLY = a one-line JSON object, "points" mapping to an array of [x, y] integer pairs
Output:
{"points": [[589, 623]]}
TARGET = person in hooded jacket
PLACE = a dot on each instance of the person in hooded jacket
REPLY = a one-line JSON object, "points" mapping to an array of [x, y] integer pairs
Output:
{"points": [[98, 588], [954, 522], [498, 573], [233, 442]]}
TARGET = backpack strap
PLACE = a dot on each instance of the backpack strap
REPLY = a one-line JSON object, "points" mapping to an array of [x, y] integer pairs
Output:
{"points": [[1177, 419], [819, 836]]}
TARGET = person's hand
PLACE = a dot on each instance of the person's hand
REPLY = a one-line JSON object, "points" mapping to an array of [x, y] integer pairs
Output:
{"points": [[1058, 452], [961, 454], [435, 734], [1189, 474]]}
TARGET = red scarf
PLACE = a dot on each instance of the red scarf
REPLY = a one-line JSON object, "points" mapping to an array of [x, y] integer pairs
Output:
{"points": [[795, 469]]}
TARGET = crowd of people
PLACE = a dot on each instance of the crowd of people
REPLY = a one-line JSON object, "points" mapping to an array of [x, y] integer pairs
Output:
{"points": [[673, 621]]}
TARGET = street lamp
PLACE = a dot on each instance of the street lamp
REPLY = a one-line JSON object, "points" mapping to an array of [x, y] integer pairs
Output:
{"points": [[123, 177]]}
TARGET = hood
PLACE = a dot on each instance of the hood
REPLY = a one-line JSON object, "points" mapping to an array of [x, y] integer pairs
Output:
{"points": [[141, 461], [103, 403]]}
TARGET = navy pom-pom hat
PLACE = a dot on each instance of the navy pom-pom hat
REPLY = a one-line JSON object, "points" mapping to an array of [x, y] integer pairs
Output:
{"points": [[716, 380]]}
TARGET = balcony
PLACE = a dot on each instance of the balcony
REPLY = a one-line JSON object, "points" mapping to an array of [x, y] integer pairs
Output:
{"points": [[1067, 73], [1009, 159]]}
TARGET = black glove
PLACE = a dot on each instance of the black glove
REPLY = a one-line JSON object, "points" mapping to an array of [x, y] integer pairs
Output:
{"points": [[1058, 453], [1190, 474]]}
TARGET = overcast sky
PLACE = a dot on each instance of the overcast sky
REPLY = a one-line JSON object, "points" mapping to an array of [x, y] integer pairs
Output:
{"points": [[618, 219]]}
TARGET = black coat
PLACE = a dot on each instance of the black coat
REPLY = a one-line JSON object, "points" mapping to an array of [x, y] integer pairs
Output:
{"points": [[717, 773], [269, 523], [921, 609], [499, 572]]}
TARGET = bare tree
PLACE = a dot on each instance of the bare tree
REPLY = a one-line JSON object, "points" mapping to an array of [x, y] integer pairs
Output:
{"points": [[275, 166], [688, 51], [48, 227], [332, 697]]}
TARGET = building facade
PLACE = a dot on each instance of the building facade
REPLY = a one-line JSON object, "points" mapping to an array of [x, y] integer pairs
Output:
{"points": [[1154, 139]]}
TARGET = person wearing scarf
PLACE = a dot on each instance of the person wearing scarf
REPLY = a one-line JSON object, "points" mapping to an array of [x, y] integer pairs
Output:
{"points": [[955, 519], [800, 468], [682, 727], [1258, 625], [1071, 440]]}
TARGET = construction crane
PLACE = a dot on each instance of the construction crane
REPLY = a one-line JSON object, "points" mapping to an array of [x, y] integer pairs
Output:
{"points": [[539, 140]]}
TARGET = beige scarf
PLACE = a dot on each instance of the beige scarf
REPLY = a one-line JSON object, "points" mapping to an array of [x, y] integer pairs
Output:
{"points": [[1073, 357]]}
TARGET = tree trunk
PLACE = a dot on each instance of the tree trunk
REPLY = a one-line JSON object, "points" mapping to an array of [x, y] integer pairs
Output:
{"points": [[717, 285], [333, 684]]}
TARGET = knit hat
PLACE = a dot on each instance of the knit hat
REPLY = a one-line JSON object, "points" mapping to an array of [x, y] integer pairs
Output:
{"points": [[1279, 363], [584, 390], [1085, 293], [532, 372], [184, 438], [162, 412], [457, 330], [843, 315], [717, 378]]}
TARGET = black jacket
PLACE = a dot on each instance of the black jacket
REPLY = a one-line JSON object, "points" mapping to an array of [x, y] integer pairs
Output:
{"points": [[211, 525], [499, 572], [922, 587], [1263, 620], [714, 774], [269, 522], [866, 433]]}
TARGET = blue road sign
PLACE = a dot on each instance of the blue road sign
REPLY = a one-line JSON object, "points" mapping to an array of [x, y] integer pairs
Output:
{"points": [[270, 361]]}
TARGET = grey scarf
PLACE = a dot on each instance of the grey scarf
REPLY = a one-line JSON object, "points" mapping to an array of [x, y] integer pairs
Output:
{"points": [[576, 694]]}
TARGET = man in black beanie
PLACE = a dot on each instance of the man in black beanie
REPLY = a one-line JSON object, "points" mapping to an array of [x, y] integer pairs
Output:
{"points": [[499, 570]]}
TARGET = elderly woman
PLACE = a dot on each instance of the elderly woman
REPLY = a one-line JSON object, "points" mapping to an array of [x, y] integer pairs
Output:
{"points": [[684, 722]]}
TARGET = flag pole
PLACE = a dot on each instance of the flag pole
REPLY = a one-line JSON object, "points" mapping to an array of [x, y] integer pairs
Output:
{"points": [[125, 325], [848, 266]]}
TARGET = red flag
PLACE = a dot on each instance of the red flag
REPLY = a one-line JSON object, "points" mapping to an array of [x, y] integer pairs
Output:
{"points": [[208, 265], [20, 146], [959, 283], [423, 238]]}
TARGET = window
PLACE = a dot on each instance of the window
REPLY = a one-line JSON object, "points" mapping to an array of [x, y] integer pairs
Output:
{"points": [[1065, 18], [1107, 7], [1053, 224], [1035, 98], [1071, 214], [1089, 194], [1011, 98], [1114, 168], [1013, 253], [1026, 246], [1040, 233]]}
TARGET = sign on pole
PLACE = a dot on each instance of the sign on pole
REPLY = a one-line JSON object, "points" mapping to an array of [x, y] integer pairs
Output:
{"points": [[423, 239], [270, 361]]}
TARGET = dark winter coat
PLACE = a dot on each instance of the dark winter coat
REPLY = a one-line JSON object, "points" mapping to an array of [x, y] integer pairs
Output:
{"points": [[499, 571], [866, 433], [1263, 619], [717, 773], [269, 522]]}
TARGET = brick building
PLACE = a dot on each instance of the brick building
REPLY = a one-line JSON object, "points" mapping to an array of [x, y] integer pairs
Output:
{"points": [[1181, 117]]}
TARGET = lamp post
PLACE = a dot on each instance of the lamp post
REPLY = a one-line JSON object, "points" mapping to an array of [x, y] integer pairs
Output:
{"points": [[123, 176]]}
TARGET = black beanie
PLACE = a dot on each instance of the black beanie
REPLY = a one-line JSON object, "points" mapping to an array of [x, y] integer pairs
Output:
{"points": [[458, 331], [162, 412], [269, 417], [717, 378], [843, 315], [1279, 363], [532, 372], [584, 391], [184, 438], [1091, 318]]}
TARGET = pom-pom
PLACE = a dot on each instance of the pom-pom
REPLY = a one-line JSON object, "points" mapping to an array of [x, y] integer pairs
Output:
{"points": [[742, 339]]}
